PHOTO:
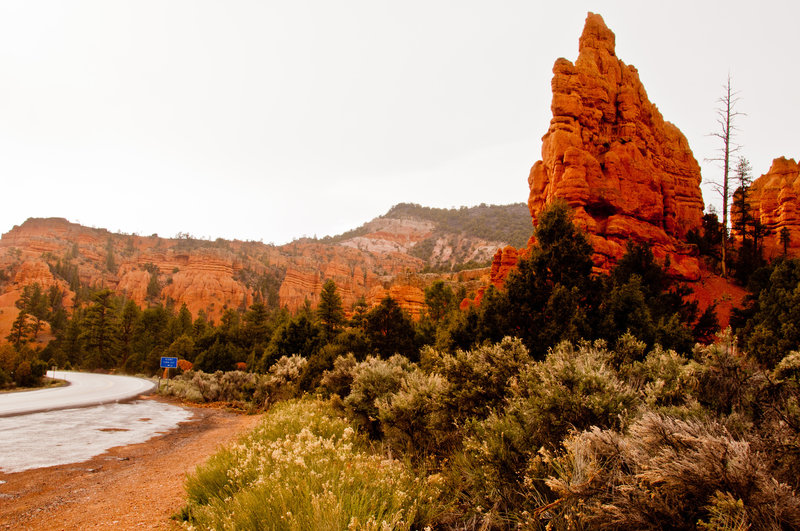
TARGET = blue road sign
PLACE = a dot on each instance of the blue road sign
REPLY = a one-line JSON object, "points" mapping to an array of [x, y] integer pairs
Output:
{"points": [[169, 363]]}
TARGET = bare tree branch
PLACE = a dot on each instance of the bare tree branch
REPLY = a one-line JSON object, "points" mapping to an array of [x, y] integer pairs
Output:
{"points": [[726, 116]]}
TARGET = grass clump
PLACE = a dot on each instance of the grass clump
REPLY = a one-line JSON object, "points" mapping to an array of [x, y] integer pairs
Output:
{"points": [[305, 467]]}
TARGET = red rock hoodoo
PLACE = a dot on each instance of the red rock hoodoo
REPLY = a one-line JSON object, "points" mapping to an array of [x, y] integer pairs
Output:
{"points": [[626, 172], [774, 200]]}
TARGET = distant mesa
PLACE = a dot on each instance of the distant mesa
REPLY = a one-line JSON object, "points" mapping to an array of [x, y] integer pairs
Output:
{"points": [[626, 172]]}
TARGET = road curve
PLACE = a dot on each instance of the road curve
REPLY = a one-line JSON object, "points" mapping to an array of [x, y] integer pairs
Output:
{"points": [[84, 389]]}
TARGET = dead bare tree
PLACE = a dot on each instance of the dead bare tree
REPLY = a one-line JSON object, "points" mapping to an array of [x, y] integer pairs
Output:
{"points": [[726, 115]]}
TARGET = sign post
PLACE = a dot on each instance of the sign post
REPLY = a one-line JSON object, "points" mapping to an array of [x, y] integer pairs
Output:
{"points": [[167, 364]]}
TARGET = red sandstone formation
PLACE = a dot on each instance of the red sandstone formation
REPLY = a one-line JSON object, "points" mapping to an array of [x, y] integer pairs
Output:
{"points": [[208, 276], [503, 262], [774, 200], [626, 173]]}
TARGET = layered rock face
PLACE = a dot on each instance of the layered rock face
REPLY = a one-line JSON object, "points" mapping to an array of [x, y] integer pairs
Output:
{"points": [[626, 172], [213, 276], [774, 199]]}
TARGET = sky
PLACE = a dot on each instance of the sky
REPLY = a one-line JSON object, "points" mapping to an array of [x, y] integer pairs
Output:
{"points": [[271, 120]]}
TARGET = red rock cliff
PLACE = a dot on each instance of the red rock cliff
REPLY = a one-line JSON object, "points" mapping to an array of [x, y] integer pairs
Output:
{"points": [[774, 199], [626, 172]]}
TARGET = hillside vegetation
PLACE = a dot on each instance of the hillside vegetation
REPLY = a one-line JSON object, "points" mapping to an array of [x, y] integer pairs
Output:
{"points": [[503, 223], [497, 223]]}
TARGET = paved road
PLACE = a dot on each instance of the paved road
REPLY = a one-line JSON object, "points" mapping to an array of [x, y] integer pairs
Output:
{"points": [[84, 390]]}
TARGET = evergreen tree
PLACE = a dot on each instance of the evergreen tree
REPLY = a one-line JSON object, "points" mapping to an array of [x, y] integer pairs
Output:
{"points": [[390, 330], [200, 324], [769, 325], [296, 336], [20, 330], [153, 287], [56, 314], [182, 348], [100, 331], [184, 321], [72, 342], [34, 302], [127, 329], [439, 300], [217, 358], [230, 325], [785, 239], [257, 327], [152, 331], [550, 292], [360, 309], [329, 310]]}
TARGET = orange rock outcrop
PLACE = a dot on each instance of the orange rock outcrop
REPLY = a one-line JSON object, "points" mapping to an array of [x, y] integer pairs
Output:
{"points": [[774, 200], [626, 172], [503, 263]]}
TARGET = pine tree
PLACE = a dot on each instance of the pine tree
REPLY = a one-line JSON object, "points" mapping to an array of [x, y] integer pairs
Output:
{"points": [[785, 239], [390, 330], [329, 310], [35, 304], [439, 299], [20, 330], [127, 329], [549, 293], [101, 331], [256, 328]]}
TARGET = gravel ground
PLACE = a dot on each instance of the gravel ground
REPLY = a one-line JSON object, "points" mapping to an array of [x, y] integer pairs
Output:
{"points": [[139, 486]]}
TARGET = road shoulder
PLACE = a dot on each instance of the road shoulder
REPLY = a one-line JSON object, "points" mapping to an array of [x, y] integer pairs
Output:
{"points": [[137, 486]]}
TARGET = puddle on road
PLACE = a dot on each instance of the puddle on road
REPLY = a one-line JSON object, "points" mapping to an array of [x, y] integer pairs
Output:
{"points": [[74, 435]]}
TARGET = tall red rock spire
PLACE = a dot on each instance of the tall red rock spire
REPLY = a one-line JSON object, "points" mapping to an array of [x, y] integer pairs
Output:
{"points": [[626, 172]]}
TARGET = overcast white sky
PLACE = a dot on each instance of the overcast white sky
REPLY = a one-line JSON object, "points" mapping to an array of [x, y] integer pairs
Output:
{"points": [[268, 120]]}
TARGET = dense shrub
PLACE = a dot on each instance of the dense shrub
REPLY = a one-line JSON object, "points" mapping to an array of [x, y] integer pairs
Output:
{"points": [[374, 379], [779, 419], [665, 379], [572, 388], [669, 473], [479, 379], [415, 419], [769, 325], [339, 379], [726, 380], [282, 381], [257, 390]]}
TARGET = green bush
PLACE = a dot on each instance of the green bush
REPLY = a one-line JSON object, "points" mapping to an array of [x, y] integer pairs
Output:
{"points": [[479, 379], [337, 381], [572, 388], [374, 379], [665, 379], [415, 419], [282, 381], [726, 380]]}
